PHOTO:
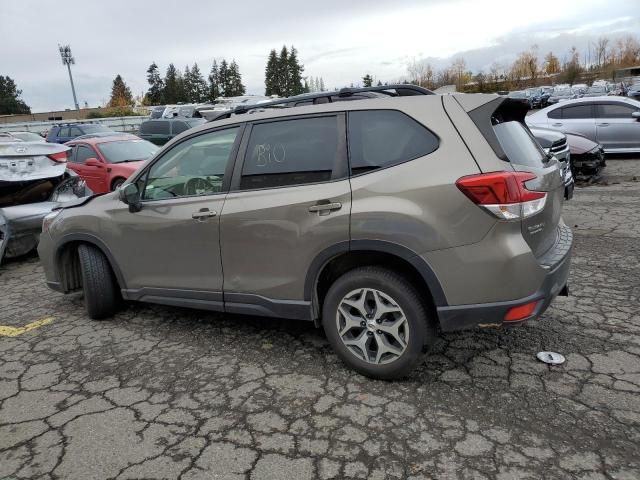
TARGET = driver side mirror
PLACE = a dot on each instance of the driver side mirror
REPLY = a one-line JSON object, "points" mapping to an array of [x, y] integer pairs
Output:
{"points": [[93, 162], [636, 115], [130, 195]]}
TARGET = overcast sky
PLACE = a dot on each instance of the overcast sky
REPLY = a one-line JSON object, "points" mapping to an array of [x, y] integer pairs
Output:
{"points": [[340, 40]]}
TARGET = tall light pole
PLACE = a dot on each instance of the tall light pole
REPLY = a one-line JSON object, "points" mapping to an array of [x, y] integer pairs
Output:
{"points": [[68, 60]]}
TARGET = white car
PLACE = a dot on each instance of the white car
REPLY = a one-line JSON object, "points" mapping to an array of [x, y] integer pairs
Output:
{"points": [[614, 122]]}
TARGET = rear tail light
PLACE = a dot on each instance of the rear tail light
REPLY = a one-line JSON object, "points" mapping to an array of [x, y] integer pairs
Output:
{"points": [[521, 312], [503, 194], [58, 157]]}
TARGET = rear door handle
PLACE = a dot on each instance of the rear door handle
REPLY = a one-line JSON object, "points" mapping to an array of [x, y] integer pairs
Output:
{"points": [[325, 207], [204, 213], [602, 124], [557, 124]]}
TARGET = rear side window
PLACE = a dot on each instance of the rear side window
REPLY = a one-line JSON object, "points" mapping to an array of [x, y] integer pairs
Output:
{"points": [[381, 138], [615, 110], [290, 152], [577, 111], [519, 145], [64, 132], [179, 127], [557, 113], [156, 127]]}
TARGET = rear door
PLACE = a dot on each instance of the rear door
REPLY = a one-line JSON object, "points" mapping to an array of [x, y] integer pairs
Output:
{"points": [[577, 118], [615, 127], [290, 199], [525, 155]]}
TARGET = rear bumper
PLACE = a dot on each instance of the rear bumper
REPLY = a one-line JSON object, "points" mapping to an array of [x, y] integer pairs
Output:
{"points": [[556, 263]]}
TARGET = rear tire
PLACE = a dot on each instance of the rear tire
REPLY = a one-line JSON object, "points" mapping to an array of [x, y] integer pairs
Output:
{"points": [[398, 322], [101, 293], [116, 183]]}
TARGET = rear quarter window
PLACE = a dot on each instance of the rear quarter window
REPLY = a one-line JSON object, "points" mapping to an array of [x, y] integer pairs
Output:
{"points": [[519, 145], [382, 138]]}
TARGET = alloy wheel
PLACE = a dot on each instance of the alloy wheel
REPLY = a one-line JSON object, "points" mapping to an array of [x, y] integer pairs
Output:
{"points": [[372, 326]]}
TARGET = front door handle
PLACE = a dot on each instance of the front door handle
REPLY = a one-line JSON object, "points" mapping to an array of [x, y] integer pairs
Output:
{"points": [[602, 124], [325, 207], [557, 124], [203, 214]]}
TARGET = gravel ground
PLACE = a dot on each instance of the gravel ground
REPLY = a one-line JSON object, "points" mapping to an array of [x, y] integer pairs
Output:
{"points": [[162, 392]]}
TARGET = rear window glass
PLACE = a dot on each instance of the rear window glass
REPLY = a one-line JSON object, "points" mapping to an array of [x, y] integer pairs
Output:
{"points": [[95, 128], [519, 145], [381, 138], [160, 127]]}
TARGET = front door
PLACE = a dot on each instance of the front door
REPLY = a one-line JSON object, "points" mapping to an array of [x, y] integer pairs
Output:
{"points": [[94, 175], [616, 128], [169, 251], [290, 200]]}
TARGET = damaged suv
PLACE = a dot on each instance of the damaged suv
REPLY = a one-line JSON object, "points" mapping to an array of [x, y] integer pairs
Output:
{"points": [[381, 220], [33, 181]]}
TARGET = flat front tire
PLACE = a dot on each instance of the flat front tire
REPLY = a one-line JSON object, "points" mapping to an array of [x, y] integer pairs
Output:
{"points": [[377, 322], [101, 293]]}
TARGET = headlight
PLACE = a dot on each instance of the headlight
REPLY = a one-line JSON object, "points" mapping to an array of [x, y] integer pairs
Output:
{"points": [[48, 220]]}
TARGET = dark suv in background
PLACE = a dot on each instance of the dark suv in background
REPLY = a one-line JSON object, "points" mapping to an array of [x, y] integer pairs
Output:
{"points": [[161, 130], [68, 131]]}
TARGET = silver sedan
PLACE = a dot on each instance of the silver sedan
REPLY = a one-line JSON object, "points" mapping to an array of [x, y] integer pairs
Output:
{"points": [[614, 122]]}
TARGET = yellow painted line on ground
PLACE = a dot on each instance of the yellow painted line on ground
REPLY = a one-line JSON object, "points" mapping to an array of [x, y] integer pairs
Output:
{"points": [[6, 331]]}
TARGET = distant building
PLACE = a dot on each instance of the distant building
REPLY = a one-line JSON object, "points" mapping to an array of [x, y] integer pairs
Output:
{"points": [[627, 75]]}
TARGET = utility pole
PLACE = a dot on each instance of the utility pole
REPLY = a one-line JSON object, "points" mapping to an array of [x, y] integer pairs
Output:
{"points": [[68, 60]]}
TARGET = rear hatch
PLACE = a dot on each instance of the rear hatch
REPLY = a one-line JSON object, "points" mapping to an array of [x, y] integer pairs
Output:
{"points": [[525, 155], [501, 123]]}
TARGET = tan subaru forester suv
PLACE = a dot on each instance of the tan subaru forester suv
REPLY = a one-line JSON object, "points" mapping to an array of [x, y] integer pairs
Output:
{"points": [[382, 220]]}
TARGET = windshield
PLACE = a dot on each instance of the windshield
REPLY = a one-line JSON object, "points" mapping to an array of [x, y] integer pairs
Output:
{"points": [[519, 145], [95, 128], [517, 95], [127, 150]]}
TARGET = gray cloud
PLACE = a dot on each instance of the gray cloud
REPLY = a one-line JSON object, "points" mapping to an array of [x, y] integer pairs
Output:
{"points": [[339, 40]]}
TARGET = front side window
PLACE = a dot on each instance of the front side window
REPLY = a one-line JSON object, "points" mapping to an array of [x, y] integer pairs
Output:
{"points": [[83, 153], [290, 152], [615, 110], [179, 127], [75, 132], [381, 138], [194, 167], [577, 111]]}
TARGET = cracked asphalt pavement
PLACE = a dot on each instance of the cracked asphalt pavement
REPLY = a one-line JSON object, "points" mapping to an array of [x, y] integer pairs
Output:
{"points": [[160, 392]]}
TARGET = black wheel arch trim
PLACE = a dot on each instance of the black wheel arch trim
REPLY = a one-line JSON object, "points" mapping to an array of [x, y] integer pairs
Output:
{"points": [[324, 257], [95, 241]]}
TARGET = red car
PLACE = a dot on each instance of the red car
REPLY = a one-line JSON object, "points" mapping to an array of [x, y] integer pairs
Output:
{"points": [[105, 162]]}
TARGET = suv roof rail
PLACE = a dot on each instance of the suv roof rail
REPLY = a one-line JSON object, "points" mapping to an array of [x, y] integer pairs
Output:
{"points": [[65, 124], [394, 90]]}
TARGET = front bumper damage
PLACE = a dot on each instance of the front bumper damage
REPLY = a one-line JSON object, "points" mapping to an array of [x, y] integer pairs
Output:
{"points": [[21, 225]]}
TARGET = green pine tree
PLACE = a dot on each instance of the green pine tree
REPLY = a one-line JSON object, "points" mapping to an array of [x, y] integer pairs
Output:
{"points": [[294, 73], [187, 85], [199, 89], [367, 80], [214, 82], [154, 94], [235, 80], [171, 87], [271, 75], [223, 79], [10, 101], [283, 72]]}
